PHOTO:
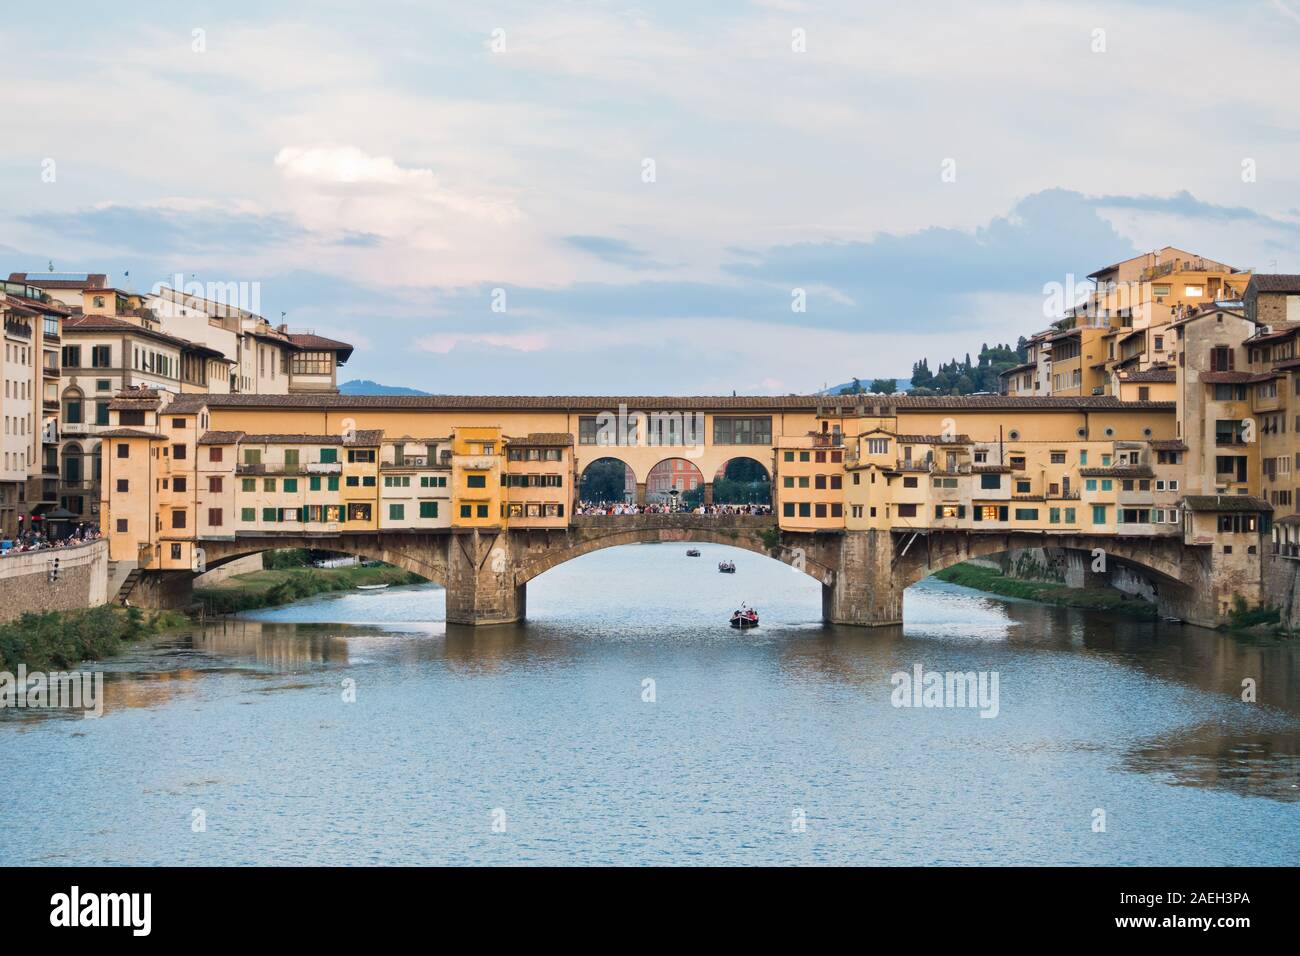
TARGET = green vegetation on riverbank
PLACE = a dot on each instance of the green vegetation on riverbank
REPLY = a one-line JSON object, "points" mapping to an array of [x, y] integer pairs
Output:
{"points": [[1094, 599], [271, 588], [61, 639]]}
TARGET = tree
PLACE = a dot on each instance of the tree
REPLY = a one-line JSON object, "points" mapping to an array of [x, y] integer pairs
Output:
{"points": [[884, 386]]}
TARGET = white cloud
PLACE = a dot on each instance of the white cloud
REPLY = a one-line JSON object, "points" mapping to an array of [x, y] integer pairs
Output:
{"points": [[443, 342]]}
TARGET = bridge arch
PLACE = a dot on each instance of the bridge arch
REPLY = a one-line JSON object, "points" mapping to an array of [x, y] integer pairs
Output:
{"points": [[750, 534], [419, 554], [599, 481], [1162, 561]]}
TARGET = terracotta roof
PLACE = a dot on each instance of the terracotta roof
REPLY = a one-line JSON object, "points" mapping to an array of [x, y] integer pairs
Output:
{"points": [[1168, 444], [93, 280], [1276, 336], [650, 403], [1018, 368], [934, 440], [1286, 364], [1152, 375], [544, 438], [1235, 378], [311, 342], [109, 323], [1225, 503], [46, 308], [134, 404], [220, 438], [1118, 471], [990, 469], [129, 433], [1274, 283]]}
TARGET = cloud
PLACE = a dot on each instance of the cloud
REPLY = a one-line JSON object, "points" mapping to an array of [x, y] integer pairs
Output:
{"points": [[612, 250], [443, 342]]}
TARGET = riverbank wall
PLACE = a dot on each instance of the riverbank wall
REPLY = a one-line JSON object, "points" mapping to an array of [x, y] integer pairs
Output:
{"points": [[57, 579]]}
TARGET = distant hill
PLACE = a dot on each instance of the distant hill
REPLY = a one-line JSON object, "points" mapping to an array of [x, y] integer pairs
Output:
{"points": [[903, 384], [362, 386]]}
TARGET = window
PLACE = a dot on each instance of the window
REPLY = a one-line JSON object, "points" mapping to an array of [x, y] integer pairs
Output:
{"points": [[252, 456], [820, 510], [101, 356], [247, 514], [466, 511], [313, 483], [101, 413], [1026, 514], [787, 509], [742, 431], [1022, 487], [329, 456], [805, 510], [1098, 514], [428, 509], [1221, 359], [179, 483], [214, 517], [361, 455], [269, 514], [291, 485], [216, 453], [877, 446], [178, 452], [481, 511], [123, 450], [991, 481], [332, 483], [72, 356], [178, 519], [313, 363], [248, 484], [789, 455], [214, 484], [291, 458], [1058, 458], [123, 485], [268, 484], [354, 481], [476, 481], [121, 526], [396, 512]]}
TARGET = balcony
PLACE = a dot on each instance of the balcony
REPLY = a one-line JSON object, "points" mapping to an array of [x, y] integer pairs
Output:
{"points": [[19, 330], [324, 468], [260, 468], [407, 461]]}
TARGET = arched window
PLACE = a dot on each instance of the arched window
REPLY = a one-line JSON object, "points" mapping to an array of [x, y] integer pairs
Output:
{"points": [[72, 473], [72, 406]]}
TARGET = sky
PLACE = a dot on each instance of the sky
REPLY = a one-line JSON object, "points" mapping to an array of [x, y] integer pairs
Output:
{"points": [[674, 198]]}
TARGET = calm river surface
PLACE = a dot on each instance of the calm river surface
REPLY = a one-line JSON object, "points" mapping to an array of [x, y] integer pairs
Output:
{"points": [[542, 729]]}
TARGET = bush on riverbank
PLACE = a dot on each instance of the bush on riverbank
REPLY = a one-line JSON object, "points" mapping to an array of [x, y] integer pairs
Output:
{"points": [[1097, 599], [60, 639], [272, 588]]}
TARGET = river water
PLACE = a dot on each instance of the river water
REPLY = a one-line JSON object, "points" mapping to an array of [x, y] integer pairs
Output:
{"points": [[626, 723]]}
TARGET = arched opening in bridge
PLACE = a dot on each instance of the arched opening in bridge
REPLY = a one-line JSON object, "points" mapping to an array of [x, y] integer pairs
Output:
{"points": [[1065, 577], [742, 481], [607, 480], [675, 479], [656, 589]]}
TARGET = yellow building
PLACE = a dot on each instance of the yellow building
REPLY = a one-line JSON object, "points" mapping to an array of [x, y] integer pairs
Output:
{"points": [[476, 469]]}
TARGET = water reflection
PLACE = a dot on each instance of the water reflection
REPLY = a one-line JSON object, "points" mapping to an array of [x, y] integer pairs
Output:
{"points": [[551, 718]]}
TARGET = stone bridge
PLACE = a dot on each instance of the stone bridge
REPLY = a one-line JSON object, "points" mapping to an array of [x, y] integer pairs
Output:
{"points": [[863, 573]]}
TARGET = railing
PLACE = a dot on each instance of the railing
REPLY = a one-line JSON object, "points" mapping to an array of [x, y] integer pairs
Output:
{"points": [[324, 468], [918, 465], [19, 330]]}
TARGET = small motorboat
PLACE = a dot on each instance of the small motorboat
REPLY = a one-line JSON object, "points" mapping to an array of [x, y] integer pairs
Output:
{"points": [[744, 617], [727, 567], [692, 552], [371, 587]]}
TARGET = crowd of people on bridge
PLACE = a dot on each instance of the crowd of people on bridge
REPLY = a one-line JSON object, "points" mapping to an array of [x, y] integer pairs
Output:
{"points": [[625, 508], [34, 540]]}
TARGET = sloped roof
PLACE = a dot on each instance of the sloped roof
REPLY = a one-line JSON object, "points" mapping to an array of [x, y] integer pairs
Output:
{"points": [[1225, 503]]}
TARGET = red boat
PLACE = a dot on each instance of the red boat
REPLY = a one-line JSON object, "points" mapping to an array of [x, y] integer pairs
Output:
{"points": [[745, 617]]}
